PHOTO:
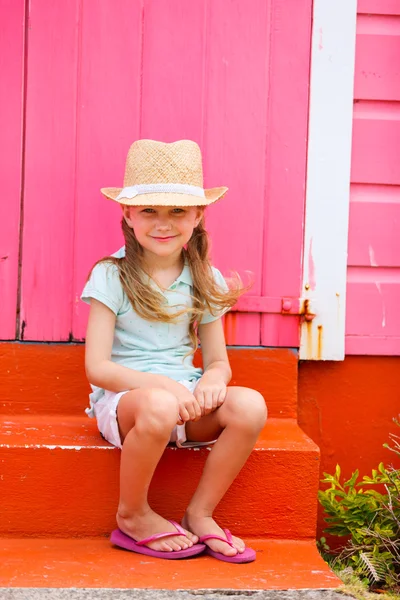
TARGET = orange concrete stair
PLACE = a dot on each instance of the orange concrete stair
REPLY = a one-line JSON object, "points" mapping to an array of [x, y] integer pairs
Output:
{"points": [[60, 478], [94, 563], [50, 379], [59, 485]]}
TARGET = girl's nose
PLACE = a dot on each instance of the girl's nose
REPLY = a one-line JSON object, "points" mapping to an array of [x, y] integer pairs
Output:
{"points": [[163, 225]]}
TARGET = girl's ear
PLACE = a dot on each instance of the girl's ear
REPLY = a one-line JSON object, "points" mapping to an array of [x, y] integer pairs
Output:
{"points": [[199, 215], [127, 214]]}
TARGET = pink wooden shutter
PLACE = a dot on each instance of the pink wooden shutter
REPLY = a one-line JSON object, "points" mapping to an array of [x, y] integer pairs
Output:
{"points": [[373, 296], [232, 77]]}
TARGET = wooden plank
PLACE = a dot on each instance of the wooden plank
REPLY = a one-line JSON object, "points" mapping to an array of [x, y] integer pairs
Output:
{"points": [[285, 165], [108, 121], [235, 102], [174, 75], [49, 170], [364, 345], [373, 306], [377, 73], [380, 7], [374, 233], [376, 146], [328, 178], [12, 39]]}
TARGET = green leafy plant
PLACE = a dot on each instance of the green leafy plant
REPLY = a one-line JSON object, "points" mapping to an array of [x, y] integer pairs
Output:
{"points": [[369, 513]]}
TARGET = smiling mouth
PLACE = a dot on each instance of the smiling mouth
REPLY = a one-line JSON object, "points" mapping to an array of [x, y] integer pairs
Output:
{"points": [[168, 237]]}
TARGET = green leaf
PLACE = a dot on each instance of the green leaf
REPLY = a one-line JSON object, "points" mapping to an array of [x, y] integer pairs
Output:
{"points": [[350, 482]]}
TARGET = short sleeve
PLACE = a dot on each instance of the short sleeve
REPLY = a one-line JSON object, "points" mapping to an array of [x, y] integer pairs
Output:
{"points": [[104, 285], [220, 281]]}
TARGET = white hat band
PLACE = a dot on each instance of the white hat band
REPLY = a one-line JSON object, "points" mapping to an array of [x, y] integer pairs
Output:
{"points": [[157, 188]]}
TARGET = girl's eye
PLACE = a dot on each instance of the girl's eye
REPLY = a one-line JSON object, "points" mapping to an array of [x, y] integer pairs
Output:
{"points": [[177, 211], [148, 210]]}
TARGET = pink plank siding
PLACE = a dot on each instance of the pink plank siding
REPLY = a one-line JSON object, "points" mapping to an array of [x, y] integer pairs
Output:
{"points": [[108, 120], [373, 296], [12, 23], [232, 77], [234, 138], [49, 170], [379, 7]]}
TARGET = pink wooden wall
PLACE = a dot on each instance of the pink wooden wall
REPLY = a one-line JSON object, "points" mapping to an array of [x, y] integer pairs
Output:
{"points": [[373, 293], [12, 33], [91, 78]]}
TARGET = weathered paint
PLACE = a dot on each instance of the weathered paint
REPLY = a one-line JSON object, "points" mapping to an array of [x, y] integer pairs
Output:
{"points": [[328, 178], [347, 409], [102, 76], [373, 290], [49, 379], [94, 563]]}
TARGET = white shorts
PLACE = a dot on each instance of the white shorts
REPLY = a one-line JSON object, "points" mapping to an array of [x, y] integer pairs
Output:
{"points": [[105, 411]]}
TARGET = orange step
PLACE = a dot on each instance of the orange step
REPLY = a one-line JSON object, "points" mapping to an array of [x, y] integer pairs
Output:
{"points": [[94, 563], [60, 478], [50, 378]]}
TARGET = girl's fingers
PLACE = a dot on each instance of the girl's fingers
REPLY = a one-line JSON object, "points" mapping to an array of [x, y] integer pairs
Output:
{"points": [[215, 399], [194, 410], [208, 402], [191, 411], [199, 395], [221, 397], [184, 413], [197, 410]]}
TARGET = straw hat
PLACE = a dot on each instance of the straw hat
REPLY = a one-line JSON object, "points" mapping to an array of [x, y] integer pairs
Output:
{"points": [[159, 174]]}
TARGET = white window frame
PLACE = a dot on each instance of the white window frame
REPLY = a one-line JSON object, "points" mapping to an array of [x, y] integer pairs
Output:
{"points": [[328, 178]]}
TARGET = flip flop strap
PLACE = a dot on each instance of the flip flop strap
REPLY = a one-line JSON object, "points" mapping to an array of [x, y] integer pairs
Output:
{"points": [[228, 540], [160, 536]]}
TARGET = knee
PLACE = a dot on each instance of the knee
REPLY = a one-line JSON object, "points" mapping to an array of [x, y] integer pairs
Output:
{"points": [[248, 410], [159, 413]]}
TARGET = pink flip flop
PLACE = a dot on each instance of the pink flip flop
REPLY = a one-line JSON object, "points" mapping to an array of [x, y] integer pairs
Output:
{"points": [[244, 557], [120, 539]]}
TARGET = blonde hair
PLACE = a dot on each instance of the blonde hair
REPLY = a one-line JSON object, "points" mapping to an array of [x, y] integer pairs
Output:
{"points": [[149, 303]]}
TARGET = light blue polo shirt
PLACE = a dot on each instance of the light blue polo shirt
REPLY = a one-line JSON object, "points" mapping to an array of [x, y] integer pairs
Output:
{"points": [[150, 347]]}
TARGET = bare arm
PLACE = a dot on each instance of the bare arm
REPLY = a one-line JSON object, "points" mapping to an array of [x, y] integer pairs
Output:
{"points": [[211, 389], [213, 347]]}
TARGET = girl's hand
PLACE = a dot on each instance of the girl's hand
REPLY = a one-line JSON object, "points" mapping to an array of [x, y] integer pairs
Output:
{"points": [[210, 393], [189, 409]]}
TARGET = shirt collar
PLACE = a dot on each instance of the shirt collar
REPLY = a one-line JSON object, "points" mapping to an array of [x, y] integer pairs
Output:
{"points": [[185, 276]]}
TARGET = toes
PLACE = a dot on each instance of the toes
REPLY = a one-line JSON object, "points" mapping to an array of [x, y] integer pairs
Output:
{"points": [[166, 547], [228, 551], [223, 549], [175, 546], [239, 544], [191, 536]]}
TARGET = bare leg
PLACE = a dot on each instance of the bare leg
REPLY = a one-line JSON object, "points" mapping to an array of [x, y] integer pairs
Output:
{"points": [[240, 418], [146, 418]]}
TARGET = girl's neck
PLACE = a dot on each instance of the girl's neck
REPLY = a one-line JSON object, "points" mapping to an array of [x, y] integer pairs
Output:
{"points": [[155, 264]]}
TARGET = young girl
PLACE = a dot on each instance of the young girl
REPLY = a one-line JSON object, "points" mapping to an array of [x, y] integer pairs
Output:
{"points": [[149, 304]]}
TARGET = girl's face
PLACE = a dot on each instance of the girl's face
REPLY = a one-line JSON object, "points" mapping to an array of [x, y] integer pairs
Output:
{"points": [[163, 230]]}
